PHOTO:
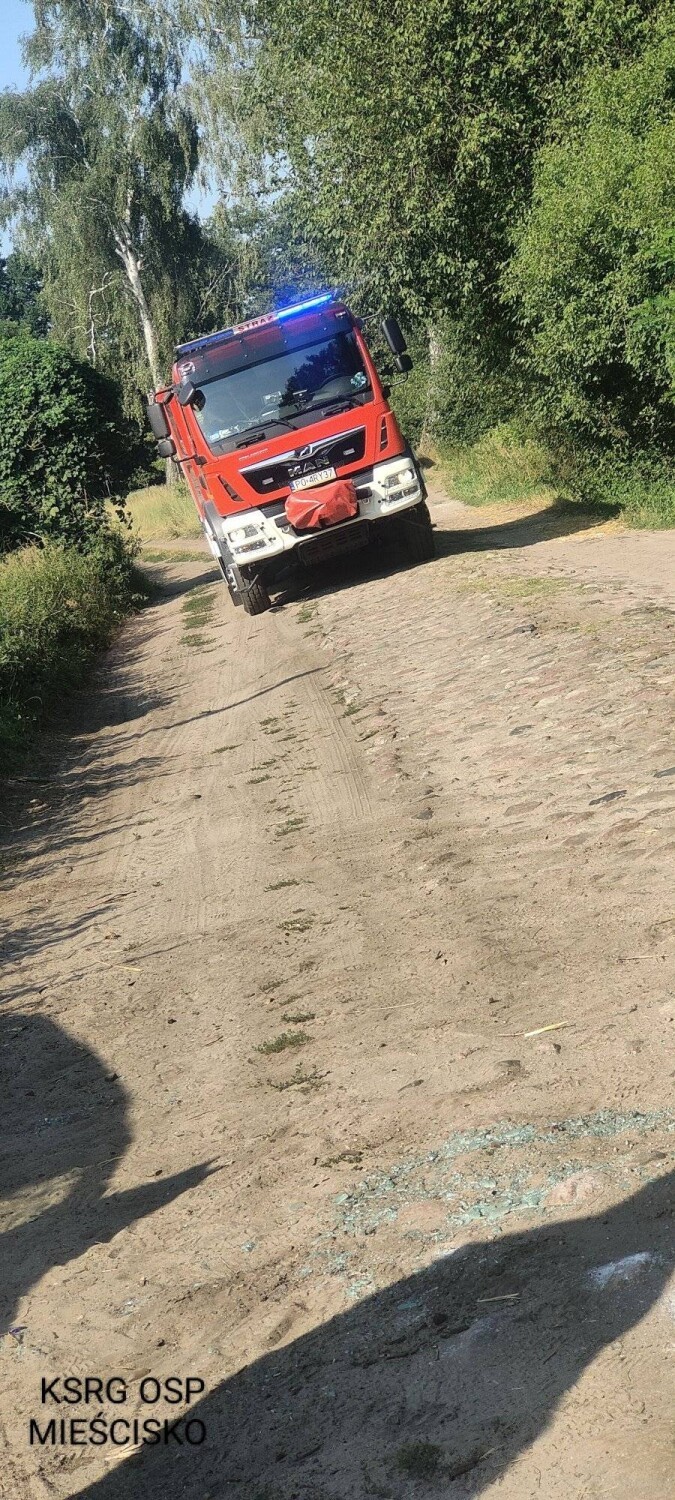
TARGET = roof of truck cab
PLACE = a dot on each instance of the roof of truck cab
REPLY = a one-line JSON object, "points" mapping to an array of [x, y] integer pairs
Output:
{"points": [[279, 315]]}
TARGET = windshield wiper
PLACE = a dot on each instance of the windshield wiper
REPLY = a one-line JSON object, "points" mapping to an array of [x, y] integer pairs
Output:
{"points": [[256, 435], [344, 401]]}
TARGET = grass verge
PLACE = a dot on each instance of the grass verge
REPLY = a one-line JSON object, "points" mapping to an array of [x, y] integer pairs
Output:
{"points": [[162, 512], [504, 467], [500, 468], [58, 609]]}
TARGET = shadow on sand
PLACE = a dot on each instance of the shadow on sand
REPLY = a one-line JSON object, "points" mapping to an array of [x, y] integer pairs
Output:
{"points": [[436, 1360], [64, 1129]]}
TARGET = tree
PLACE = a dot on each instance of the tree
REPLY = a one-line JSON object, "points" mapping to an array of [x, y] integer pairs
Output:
{"points": [[594, 265], [108, 148], [403, 134], [21, 306]]}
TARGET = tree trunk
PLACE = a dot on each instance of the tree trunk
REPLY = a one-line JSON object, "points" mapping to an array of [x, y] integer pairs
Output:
{"points": [[431, 423], [132, 267]]}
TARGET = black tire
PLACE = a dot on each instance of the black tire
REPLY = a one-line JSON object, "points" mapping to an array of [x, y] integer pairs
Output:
{"points": [[417, 535], [256, 599]]}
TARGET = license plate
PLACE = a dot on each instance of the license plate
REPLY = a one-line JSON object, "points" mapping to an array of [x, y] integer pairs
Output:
{"points": [[308, 481]]}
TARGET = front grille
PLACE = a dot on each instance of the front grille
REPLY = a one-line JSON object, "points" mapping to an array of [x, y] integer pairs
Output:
{"points": [[333, 542], [333, 452]]}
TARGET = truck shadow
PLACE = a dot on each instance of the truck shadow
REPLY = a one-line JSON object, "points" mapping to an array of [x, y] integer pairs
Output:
{"points": [[384, 560], [468, 1359], [64, 1129]]}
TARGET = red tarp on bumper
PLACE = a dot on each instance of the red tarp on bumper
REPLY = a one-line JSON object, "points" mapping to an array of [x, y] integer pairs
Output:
{"points": [[312, 509]]}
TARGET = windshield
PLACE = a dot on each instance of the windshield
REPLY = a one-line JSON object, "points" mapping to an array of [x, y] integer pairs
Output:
{"points": [[276, 390]]}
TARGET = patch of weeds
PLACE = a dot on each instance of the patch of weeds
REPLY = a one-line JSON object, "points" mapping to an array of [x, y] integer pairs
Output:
{"points": [[222, 748], [198, 607], [264, 765], [297, 1079], [270, 984], [256, 780], [283, 1041], [354, 708], [308, 768], [265, 723], [290, 826], [340, 695], [297, 924], [418, 1460], [194, 640], [513, 588], [307, 612], [307, 963], [281, 885], [353, 1157], [298, 1017], [368, 735], [171, 557]]}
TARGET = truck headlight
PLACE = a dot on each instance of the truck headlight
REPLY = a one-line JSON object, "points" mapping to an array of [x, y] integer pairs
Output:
{"points": [[397, 481]]}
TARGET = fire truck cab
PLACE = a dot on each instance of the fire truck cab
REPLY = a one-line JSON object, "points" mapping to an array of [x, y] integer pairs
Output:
{"points": [[284, 433]]}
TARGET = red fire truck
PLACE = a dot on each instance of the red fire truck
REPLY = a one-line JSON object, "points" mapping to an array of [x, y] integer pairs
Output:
{"points": [[283, 430]]}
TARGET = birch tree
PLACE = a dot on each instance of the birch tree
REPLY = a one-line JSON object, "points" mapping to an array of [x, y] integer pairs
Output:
{"points": [[99, 152]]}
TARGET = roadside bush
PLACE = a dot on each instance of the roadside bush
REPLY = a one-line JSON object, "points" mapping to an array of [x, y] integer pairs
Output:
{"points": [[58, 607], [65, 447], [594, 261], [641, 485]]}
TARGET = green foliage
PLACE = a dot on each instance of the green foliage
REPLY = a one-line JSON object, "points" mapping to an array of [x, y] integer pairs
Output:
{"points": [[109, 148], [402, 135], [594, 260], [58, 607], [64, 445], [21, 306], [461, 384], [640, 484]]}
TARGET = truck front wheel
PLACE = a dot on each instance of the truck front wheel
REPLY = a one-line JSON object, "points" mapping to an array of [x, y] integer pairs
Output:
{"points": [[417, 535], [256, 598]]}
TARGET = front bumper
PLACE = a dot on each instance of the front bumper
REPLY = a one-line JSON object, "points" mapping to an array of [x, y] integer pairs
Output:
{"points": [[259, 535]]}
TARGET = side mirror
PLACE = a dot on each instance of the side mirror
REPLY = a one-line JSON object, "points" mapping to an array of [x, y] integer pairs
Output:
{"points": [[157, 419], [393, 334], [166, 447], [386, 392], [190, 395], [403, 363]]}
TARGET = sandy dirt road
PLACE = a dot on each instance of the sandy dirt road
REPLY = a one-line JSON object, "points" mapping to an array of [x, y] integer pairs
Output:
{"points": [[337, 1037]]}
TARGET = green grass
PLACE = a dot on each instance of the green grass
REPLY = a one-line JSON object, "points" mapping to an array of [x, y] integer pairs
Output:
{"points": [[500, 467], [163, 511], [299, 1017], [171, 557], [58, 609], [281, 885], [292, 825], [197, 611], [297, 924], [504, 467], [296, 1080], [283, 1041]]}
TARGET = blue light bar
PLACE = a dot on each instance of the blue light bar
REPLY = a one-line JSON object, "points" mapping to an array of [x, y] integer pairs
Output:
{"points": [[288, 312], [260, 322]]}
